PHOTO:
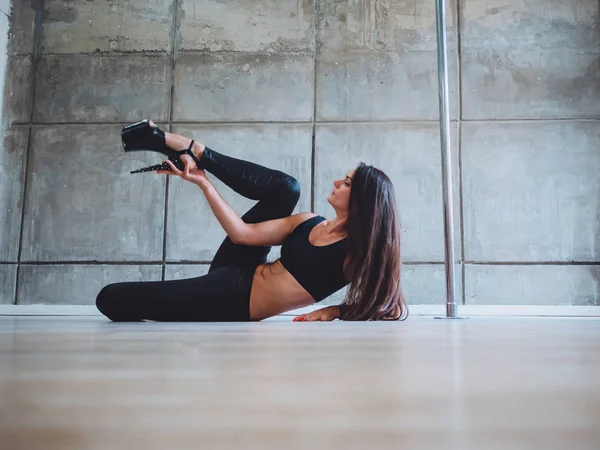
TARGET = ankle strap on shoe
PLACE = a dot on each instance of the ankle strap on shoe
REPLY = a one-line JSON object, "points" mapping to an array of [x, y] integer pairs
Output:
{"points": [[189, 151]]}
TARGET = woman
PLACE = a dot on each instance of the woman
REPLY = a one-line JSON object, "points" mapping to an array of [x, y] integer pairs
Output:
{"points": [[360, 246]]}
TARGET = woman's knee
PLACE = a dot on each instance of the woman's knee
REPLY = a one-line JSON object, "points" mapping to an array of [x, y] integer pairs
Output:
{"points": [[291, 191], [104, 299], [108, 302]]}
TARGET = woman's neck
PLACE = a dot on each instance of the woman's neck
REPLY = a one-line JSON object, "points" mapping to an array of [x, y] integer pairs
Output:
{"points": [[338, 224]]}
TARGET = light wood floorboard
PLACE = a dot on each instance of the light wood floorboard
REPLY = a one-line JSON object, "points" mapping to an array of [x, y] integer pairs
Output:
{"points": [[75, 383]]}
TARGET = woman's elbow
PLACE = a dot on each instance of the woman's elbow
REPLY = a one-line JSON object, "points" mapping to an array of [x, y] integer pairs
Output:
{"points": [[235, 239], [240, 237]]}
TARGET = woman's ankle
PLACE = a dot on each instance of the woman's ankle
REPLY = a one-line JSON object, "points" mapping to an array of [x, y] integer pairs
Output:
{"points": [[198, 149], [177, 142]]}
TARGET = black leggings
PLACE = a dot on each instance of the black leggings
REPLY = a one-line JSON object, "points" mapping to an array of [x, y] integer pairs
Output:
{"points": [[224, 293]]}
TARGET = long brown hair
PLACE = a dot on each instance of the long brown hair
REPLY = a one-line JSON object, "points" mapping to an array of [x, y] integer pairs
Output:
{"points": [[373, 250]]}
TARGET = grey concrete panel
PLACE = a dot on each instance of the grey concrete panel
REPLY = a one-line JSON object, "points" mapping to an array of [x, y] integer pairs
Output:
{"points": [[422, 284], [530, 59], [410, 155], [123, 26], [389, 26], [184, 271], [12, 180], [532, 191], [102, 88], [241, 26], [378, 61], [17, 90], [82, 204], [193, 232], [380, 86], [532, 285], [22, 26], [76, 284], [243, 87], [8, 283], [426, 284], [334, 299]]}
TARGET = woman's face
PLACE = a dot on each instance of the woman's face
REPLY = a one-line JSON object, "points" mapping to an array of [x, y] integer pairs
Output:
{"points": [[340, 195]]}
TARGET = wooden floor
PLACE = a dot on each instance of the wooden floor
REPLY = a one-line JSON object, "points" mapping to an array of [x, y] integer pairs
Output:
{"points": [[482, 384]]}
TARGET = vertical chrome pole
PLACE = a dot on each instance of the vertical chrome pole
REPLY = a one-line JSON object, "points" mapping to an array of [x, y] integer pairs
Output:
{"points": [[451, 308]]}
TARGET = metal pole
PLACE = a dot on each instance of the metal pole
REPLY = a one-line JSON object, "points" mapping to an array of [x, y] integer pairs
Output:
{"points": [[451, 308]]}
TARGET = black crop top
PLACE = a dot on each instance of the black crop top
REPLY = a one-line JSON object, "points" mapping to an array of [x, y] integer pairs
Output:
{"points": [[318, 269]]}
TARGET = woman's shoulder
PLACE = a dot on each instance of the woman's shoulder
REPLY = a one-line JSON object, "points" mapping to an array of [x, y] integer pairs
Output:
{"points": [[300, 218]]}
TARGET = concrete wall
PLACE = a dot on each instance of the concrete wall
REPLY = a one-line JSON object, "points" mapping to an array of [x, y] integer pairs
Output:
{"points": [[310, 89]]}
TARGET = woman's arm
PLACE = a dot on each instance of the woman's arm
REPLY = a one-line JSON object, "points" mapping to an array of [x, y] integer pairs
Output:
{"points": [[270, 232]]}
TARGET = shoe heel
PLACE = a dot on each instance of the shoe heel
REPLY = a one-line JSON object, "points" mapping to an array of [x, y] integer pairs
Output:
{"points": [[164, 166]]}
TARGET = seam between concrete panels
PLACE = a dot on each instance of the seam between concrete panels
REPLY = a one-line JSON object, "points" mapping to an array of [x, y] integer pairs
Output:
{"points": [[91, 263], [174, 30], [533, 263], [109, 53], [314, 117], [405, 263], [162, 53], [461, 211], [35, 57], [527, 120], [458, 9], [183, 123], [459, 56], [166, 213], [320, 122], [154, 263]]}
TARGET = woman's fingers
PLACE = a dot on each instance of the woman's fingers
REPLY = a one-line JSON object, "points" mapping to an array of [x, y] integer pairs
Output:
{"points": [[163, 171], [321, 315], [311, 317], [187, 173], [174, 169]]}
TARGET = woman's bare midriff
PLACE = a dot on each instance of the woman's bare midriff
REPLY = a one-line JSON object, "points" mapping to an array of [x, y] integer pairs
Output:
{"points": [[274, 291]]}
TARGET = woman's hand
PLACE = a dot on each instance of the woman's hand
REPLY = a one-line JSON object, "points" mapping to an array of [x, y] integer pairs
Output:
{"points": [[324, 315], [195, 175]]}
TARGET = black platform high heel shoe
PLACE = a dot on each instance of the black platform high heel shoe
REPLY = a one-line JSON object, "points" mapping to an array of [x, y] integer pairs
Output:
{"points": [[142, 136]]}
